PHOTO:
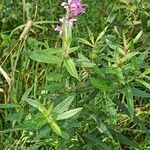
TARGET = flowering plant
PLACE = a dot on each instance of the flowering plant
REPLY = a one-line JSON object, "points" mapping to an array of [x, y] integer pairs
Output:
{"points": [[73, 9]]}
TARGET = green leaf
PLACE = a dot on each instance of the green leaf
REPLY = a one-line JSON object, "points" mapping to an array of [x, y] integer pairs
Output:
{"points": [[15, 116], [147, 71], [84, 62], [140, 93], [91, 35], [49, 119], [119, 73], [128, 56], [64, 105], [144, 83], [115, 47], [101, 34], [138, 36], [100, 84], [54, 86], [53, 50], [50, 109], [85, 42], [73, 49], [97, 141], [44, 132], [101, 126], [7, 106], [130, 102], [37, 105], [111, 18], [68, 114], [26, 94], [65, 135], [87, 64], [54, 76], [70, 66], [45, 56], [34, 123]]}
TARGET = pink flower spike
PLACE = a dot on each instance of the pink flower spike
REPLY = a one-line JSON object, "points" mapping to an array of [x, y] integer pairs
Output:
{"points": [[73, 9]]}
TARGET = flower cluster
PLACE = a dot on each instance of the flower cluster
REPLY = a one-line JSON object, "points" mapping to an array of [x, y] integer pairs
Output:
{"points": [[73, 9]]}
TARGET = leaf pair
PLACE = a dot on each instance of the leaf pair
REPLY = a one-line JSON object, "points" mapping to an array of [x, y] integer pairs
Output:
{"points": [[61, 110]]}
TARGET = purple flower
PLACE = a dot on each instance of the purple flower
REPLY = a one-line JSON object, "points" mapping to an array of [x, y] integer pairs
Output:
{"points": [[58, 28], [73, 9], [70, 21], [76, 7]]}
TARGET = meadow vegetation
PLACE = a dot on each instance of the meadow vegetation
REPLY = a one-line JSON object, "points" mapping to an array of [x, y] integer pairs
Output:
{"points": [[85, 87]]}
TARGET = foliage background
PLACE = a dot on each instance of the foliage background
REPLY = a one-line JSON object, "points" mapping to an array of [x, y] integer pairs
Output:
{"points": [[112, 41]]}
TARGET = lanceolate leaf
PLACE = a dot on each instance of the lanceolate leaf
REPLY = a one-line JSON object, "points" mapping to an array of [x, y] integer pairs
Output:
{"points": [[140, 93], [45, 56], [85, 42], [115, 47], [37, 105], [129, 56], [138, 36], [84, 62], [130, 102], [64, 105], [101, 34], [68, 114], [146, 84], [26, 94], [73, 49], [70, 66], [7, 106]]}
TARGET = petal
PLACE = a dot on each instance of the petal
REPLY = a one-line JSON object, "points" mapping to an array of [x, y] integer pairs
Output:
{"points": [[58, 28]]}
